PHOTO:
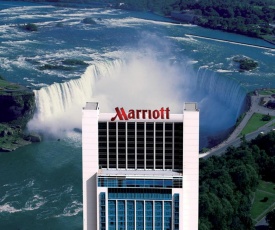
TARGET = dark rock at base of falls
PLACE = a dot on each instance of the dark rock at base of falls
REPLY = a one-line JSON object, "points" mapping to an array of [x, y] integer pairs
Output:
{"points": [[17, 105]]}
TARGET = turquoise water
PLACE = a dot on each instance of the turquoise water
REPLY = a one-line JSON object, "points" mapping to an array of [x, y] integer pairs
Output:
{"points": [[40, 187], [135, 60]]}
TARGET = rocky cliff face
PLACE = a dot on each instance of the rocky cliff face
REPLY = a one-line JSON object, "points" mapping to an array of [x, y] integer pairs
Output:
{"points": [[17, 107], [17, 104]]}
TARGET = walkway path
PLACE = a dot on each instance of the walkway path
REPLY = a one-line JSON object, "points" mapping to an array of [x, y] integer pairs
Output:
{"points": [[262, 220], [233, 139]]}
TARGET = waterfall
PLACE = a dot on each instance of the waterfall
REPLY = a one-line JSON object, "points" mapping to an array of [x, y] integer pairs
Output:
{"points": [[57, 104], [146, 83], [226, 90]]}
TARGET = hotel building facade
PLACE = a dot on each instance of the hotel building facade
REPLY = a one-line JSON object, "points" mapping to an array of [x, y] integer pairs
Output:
{"points": [[141, 173]]}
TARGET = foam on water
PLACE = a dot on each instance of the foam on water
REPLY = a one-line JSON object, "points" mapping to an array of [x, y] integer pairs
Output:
{"points": [[34, 203], [20, 42], [132, 21], [185, 39], [7, 207], [269, 53], [224, 71], [47, 203], [71, 209]]}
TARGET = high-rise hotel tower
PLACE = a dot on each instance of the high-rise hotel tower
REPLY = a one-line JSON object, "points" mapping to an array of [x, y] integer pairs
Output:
{"points": [[140, 169]]}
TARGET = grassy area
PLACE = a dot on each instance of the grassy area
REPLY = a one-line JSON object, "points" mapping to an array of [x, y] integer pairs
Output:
{"points": [[254, 123], [5, 85], [267, 92], [269, 38], [264, 200], [267, 186]]}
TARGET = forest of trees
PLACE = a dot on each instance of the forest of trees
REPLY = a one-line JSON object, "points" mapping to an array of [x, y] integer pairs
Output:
{"points": [[249, 17], [227, 183]]}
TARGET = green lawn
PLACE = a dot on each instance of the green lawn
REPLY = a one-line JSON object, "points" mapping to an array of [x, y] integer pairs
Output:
{"points": [[259, 206], [5, 85], [267, 92], [254, 123]]}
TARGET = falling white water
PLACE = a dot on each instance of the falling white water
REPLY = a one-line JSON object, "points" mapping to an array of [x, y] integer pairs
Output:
{"points": [[226, 90], [58, 106], [139, 82]]}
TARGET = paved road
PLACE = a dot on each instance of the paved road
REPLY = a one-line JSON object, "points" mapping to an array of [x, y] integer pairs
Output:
{"points": [[220, 149], [262, 223], [233, 139]]}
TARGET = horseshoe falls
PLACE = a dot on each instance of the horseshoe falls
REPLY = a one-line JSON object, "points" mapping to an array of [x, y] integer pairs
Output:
{"points": [[217, 96], [127, 59]]}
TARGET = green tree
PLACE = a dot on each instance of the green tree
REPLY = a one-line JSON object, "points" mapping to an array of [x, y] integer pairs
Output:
{"points": [[266, 117]]}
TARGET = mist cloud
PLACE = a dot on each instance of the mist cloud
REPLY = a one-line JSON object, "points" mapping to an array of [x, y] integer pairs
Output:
{"points": [[143, 82], [149, 77]]}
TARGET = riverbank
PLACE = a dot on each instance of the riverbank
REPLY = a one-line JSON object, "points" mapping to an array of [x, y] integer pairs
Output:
{"points": [[235, 137], [11, 138], [249, 18], [17, 108], [238, 22]]}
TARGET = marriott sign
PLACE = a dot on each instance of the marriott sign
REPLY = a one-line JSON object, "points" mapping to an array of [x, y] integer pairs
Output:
{"points": [[141, 114]]}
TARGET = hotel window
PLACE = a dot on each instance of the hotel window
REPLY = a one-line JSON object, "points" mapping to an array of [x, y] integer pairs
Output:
{"points": [[102, 211], [158, 215], [121, 145], [168, 145], [121, 214], [149, 215], [112, 145], [102, 144], [130, 215], [159, 145], [112, 214], [167, 215], [178, 142], [149, 145], [176, 212], [140, 215], [131, 145], [140, 145]]}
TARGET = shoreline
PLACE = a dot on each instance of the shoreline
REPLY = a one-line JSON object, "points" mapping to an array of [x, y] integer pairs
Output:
{"points": [[230, 41], [110, 5], [17, 108], [234, 139]]}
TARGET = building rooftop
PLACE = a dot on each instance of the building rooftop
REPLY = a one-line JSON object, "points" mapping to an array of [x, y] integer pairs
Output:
{"points": [[91, 106], [190, 106]]}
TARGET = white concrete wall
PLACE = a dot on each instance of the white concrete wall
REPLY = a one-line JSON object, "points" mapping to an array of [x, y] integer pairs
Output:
{"points": [[189, 202], [90, 168]]}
